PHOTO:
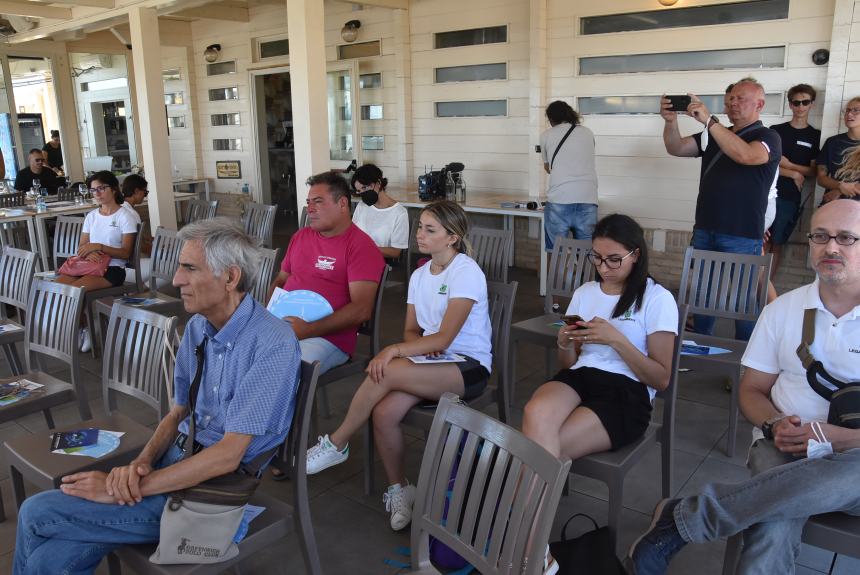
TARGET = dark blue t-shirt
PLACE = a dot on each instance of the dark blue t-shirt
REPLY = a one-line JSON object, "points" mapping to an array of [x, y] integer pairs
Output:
{"points": [[733, 197], [832, 151], [800, 146]]}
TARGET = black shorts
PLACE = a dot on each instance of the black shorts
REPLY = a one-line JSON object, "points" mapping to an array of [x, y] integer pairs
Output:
{"points": [[475, 377], [622, 404], [115, 275]]}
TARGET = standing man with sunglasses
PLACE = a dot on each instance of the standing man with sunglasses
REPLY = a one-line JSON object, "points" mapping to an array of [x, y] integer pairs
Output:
{"points": [[739, 164], [793, 477], [799, 149]]}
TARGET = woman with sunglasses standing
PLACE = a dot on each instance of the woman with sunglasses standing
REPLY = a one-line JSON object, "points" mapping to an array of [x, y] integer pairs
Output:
{"points": [[108, 231], [617, 353], [833, 154]]}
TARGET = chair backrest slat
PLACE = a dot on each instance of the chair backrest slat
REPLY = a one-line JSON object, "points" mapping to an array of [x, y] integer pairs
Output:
{"points": [[52, 322], [13, 200], [268, 263], [67, 237], [16, 275], [164, 261], [726, 285], [136, 345], [66, 194], [259, 222], [371, 328], [569, 268], [510, 490], [492, 250]]}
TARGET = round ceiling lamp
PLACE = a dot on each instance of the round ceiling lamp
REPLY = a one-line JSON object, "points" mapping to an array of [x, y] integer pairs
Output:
{"points": [[349, 32], [668, 2]]}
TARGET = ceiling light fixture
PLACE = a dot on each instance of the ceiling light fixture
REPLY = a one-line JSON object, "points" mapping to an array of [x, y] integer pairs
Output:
{"points": [[349, 32], [211, 53]]}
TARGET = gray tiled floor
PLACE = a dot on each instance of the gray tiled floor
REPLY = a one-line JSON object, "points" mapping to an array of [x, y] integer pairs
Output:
{"points": [[352, 529]]}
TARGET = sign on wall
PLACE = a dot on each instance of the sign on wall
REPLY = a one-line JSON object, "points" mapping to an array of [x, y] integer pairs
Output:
{"points": [[228, 169]]}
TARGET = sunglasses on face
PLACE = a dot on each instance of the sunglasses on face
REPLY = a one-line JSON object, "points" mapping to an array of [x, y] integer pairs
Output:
{"points": [[798, 103]]}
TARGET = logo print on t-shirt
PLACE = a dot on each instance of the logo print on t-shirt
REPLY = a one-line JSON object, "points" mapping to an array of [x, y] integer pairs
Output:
{"points": [[628, 316], [443, 289], [325, 263]]}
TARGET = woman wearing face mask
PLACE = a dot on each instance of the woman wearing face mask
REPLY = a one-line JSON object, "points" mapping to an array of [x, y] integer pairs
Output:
{"points": [[377, 214]]}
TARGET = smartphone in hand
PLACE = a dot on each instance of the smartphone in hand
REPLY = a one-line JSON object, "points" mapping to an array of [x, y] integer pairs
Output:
{"points": [[679, 102], [572, 319]]}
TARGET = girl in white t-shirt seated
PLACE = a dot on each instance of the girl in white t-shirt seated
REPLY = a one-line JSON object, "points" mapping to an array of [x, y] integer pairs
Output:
{"points": [[108, 230], [618, 354], [446, 311], [377, 214]]}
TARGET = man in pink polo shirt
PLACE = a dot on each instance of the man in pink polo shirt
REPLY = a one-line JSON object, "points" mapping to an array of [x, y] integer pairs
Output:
{"points": [[337, 260]]}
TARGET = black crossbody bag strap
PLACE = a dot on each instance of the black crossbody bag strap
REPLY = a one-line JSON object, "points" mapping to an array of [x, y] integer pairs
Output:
{"points": [[560, 144], [720, 153], [199, 353], [814, 368]]}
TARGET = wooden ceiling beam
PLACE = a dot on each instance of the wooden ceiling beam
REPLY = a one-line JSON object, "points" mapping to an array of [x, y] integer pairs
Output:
{"points": [[216, 12], [109, 4], [34, 10], [401, 4]]}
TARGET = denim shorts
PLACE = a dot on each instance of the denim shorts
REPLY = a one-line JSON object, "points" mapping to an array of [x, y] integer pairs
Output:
{"points": [[558, 219], [784, 222]]}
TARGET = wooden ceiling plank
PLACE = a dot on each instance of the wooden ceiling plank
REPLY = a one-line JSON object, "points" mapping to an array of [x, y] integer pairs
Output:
{"points": [[216, 12], [34, 10]]}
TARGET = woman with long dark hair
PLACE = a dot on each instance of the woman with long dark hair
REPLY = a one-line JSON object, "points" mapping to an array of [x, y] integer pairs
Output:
{"points": [[379, 215], [617, 355]]}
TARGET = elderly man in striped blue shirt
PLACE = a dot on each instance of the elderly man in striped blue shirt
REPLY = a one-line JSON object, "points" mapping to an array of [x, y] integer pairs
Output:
{"points": [[244, 409]]}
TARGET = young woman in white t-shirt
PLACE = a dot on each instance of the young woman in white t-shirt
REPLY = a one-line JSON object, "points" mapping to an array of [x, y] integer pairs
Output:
{"points": [[618, 356], [446, 311], [108, 230], [379, 215]]}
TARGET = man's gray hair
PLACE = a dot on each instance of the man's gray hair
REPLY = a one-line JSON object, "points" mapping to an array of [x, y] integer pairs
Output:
{"points": [[753, 81], [225, 244]]}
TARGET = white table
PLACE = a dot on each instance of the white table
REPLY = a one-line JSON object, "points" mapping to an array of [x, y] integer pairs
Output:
{"points": [[484, 203], [192, 185]]}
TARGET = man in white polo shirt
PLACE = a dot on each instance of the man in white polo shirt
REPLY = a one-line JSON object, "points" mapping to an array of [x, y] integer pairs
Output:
{"points": [[790, 482]]}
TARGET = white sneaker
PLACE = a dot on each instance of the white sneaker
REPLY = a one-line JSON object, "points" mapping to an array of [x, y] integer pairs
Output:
{"points": [[85, 340], [550, 565], [324, 455], [398, 501]]}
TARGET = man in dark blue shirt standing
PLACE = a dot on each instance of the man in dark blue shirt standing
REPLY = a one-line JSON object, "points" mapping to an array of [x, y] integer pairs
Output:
{"points": [[799, 149], [739, 164]]}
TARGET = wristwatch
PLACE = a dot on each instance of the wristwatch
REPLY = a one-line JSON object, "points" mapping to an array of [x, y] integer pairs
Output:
{"points": [[711, 121], [767, 426]]}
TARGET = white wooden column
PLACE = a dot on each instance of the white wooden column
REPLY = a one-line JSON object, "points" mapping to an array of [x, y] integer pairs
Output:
{"points": [[306, 29], [68, 116], [537, 93], [149, 109], [403, 72]]}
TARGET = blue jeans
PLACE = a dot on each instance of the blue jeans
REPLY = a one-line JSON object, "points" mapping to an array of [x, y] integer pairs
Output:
{"points": [[712, 241], [558, 219], [324, 351], [61, 534], [771, 508]]}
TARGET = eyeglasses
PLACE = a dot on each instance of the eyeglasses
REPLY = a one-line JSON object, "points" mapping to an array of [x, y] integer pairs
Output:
{"points": [[99, 189], [798, 103], [852, 111], [841, 238], [39, 160], [612, 262]]}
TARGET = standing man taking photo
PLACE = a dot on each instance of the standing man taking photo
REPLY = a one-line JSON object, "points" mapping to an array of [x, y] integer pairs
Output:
{"points": [[739, 164]]}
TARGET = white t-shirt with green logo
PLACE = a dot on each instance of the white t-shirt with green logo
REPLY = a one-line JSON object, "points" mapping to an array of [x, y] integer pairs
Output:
{"points": [[429, 293], [659, 312]]}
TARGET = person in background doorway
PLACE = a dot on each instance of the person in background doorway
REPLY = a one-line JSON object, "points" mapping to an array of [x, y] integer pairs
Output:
{"points": [[567, 150], [834, 151], [36, 170], [54, 152], [377, 214]]}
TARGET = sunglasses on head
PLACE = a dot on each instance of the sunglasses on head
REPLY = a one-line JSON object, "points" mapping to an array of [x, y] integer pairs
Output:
{"points": [[801, 102]]}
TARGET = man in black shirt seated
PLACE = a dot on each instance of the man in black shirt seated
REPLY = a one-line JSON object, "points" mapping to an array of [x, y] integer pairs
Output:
{"points": [[37, 169]]}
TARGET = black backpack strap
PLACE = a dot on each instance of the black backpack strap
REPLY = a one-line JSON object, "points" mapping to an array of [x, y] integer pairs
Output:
{"points": [[560, 144]]}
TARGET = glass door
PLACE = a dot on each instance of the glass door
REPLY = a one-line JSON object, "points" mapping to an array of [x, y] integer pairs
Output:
{"points": [[342, 116]]}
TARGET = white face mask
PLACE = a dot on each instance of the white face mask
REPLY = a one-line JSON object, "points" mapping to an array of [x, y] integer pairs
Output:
{"points": [[820, 446]]}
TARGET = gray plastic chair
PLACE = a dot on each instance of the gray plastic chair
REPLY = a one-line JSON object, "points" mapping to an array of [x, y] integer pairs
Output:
{"points": [[492, 249], [67, 238], [303, 218], [200, 210], [836, 532], [268, 267], [412, 253], [611, 467], [501, 298], [277, 521], [505, 494], [735, 293], [358, 362], [569, 268], [16, 275], [66, 194], [13, 200], [259, 222], [134, 364]]}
